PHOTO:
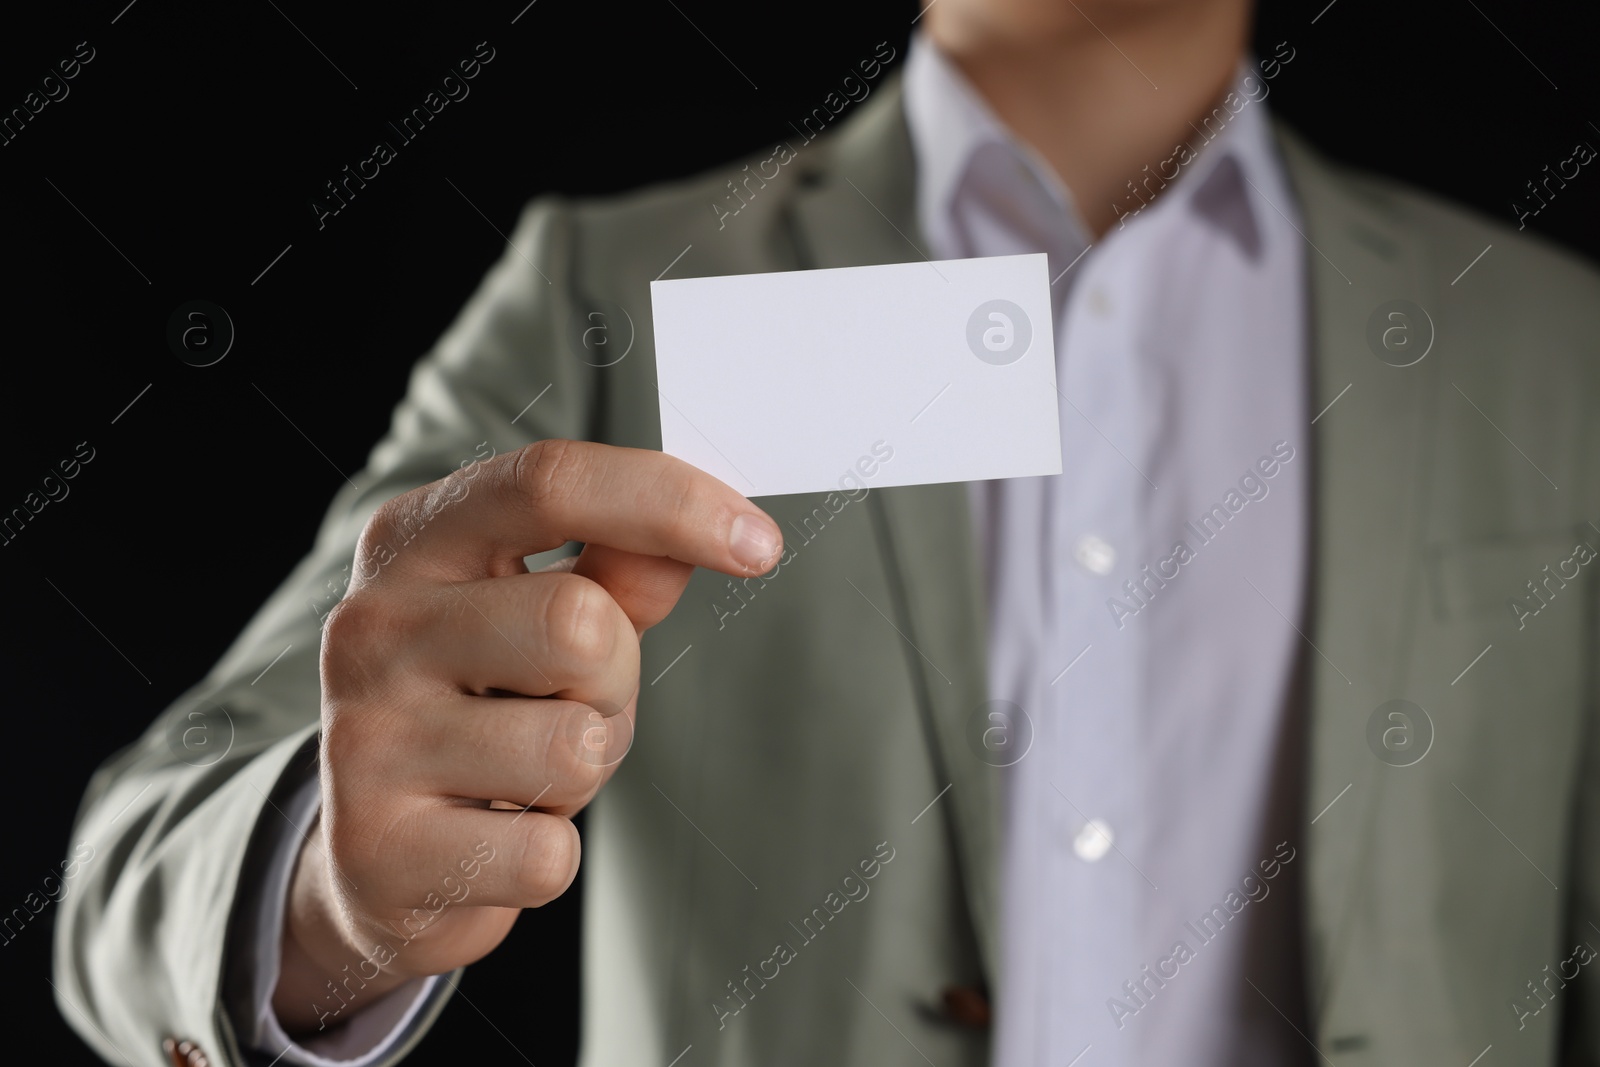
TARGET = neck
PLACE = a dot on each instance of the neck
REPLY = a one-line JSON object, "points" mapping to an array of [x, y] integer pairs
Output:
{"points": [[1099, 112]]}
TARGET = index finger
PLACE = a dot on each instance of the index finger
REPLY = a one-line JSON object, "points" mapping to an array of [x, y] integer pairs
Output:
{"points": [[549, 493]]}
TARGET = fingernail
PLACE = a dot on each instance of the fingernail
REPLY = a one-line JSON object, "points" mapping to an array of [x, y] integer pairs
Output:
{"points": [[754, 541]]}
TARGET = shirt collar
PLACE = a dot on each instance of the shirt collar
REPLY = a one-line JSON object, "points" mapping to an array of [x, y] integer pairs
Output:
{"points": [[950, 123], [1210, 173]]}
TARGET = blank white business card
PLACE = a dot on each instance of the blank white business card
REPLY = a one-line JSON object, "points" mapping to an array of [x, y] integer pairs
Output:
{"points": [[919, 372]]}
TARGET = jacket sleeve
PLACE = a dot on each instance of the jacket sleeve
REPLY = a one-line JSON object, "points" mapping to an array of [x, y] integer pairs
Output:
{"points": [[163, 837]]}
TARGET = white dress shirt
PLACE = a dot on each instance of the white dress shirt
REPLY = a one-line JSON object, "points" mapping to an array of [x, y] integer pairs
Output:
{"points": [[1157, 686]]}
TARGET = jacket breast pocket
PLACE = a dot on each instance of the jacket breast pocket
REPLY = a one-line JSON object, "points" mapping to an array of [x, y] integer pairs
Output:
{"points": [[1506, 663], [1521, 578]]}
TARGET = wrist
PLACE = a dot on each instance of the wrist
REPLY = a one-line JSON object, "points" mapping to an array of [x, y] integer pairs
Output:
{"points": [[323, 977]]}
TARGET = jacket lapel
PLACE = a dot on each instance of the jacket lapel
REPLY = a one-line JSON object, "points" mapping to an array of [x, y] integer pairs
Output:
{"points": [[857, 206], [1371, 456]]}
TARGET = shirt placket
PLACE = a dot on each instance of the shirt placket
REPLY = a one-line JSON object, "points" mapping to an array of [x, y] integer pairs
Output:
{"points": [[1092, 689]]}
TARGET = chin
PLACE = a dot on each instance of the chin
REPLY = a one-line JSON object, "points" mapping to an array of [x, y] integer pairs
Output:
{"points": [[1039, 21]]}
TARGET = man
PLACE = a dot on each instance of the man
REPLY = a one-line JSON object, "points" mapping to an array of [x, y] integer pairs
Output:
{"points": [[1182, 756]]}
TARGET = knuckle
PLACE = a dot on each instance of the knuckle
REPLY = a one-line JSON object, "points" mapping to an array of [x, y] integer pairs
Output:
{"points": [[355, 633], [373, 547], [368, 687], [346, 634], [348, 623], [542, 471], [690, 501], [383, 518]]}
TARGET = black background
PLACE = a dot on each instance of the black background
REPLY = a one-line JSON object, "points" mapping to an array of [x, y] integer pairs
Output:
{"points": [[195, 140]]}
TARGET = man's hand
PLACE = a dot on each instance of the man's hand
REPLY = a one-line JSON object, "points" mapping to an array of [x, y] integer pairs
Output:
{"points": [[462, 703]]}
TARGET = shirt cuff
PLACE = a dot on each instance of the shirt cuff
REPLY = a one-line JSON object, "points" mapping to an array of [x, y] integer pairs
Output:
{"points": [[364, 1039]]}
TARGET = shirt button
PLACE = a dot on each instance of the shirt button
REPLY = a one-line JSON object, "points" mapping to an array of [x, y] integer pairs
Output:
{"points": [[1093, 840], [1094, 555], [1099, 302]]}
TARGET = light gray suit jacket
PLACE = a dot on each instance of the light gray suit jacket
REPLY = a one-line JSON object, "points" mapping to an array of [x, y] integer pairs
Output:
{"points": [[796, 740]]}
